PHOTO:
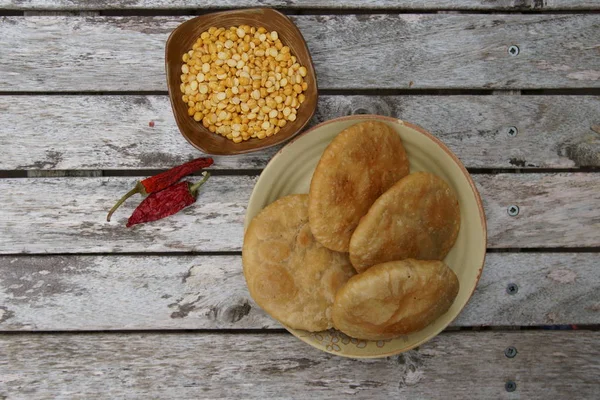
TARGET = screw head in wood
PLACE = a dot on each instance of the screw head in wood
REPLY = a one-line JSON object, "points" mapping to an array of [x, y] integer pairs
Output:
{"points": [[510, 386], [513, 210], [510, 352], [513, 50], [512, 131], [512, 288]]}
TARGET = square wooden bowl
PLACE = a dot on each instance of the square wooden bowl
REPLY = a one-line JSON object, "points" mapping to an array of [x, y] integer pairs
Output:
{"points": [[181, 40]]}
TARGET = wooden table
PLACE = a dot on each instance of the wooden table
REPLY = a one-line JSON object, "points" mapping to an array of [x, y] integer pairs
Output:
{"points": [[90, 309]]}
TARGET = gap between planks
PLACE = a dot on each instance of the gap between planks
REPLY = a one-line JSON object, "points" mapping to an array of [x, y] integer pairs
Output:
{"points": [[281, 331], [575, 91], [248, 172], [192, 12], [524, 250]]}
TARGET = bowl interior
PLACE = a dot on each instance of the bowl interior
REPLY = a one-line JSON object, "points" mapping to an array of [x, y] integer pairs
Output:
{"points": [[181, 41], [290, 171]]}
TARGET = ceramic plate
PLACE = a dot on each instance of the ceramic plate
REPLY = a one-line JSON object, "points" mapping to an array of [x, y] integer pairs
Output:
{"points": [[290, 171]]}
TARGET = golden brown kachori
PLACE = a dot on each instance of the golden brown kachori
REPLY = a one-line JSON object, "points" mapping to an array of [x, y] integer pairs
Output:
{"points": [[289, 274], [394, 298], [418, 217], [357, 167]]}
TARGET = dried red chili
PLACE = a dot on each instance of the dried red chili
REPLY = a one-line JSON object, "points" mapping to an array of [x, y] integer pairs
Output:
{"points": [[163, 180], [166, 202]]}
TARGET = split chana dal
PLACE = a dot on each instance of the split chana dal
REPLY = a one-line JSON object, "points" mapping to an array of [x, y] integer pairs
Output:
{"points": [[242, 82]]}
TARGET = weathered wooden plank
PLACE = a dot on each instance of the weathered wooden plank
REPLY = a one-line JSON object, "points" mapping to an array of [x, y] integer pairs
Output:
{"points": [[74, 293], [312, 4], [42, 215], [100, 132], [548, 204], [465, 365], [113, 132], [67, 215], [349, 51]]}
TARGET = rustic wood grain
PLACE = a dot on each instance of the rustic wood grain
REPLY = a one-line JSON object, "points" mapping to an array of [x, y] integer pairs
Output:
{"points": [[75, 293], [350, 51], [295, 4], [548, 204], [67, 215], [278, 366], [113, 132]]}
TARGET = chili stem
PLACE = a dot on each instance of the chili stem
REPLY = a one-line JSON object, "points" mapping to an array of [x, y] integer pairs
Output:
{"points": [[133, 191], [194, 188]]}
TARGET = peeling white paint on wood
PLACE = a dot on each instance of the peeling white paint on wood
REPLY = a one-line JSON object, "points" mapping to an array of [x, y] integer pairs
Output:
{"points": [[114, 132], [426, 51], [465, 365], [587, 75], [563, 275], [84, 293]]}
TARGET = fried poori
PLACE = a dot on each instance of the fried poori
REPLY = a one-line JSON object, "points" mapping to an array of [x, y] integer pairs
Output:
{"points": [[289, 274], [394, 298], [357, 167], [418, 217]]}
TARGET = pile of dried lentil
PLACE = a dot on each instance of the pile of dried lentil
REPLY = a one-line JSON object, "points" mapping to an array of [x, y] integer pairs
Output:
{"points": [[242, 82]]}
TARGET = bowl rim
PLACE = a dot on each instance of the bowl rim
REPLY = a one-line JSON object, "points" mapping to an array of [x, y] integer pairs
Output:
{"points": [[465, 173], [238, 11]]}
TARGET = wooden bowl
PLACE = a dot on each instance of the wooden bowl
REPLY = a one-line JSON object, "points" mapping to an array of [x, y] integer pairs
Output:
{"points": [[290, 171], [184, 36]]}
